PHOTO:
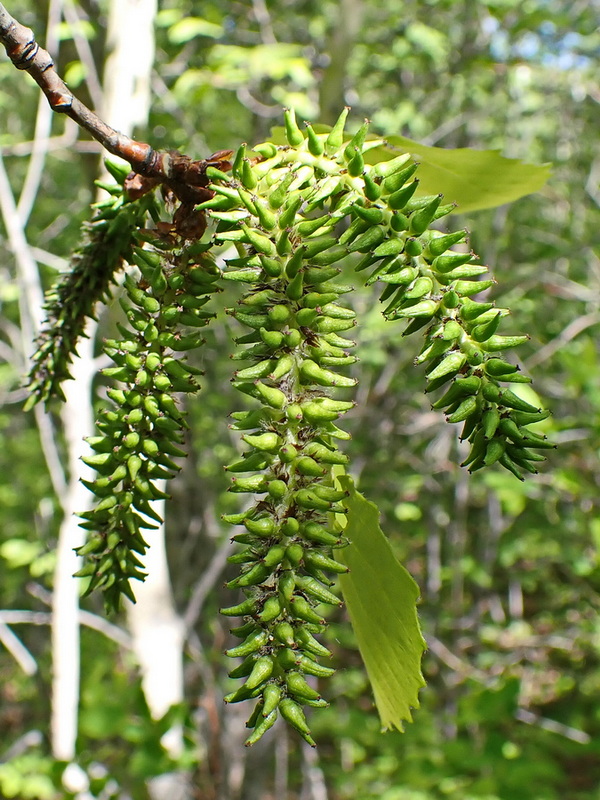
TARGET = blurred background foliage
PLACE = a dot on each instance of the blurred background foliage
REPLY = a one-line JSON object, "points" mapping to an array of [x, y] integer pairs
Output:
{"points": [[509, 572]]}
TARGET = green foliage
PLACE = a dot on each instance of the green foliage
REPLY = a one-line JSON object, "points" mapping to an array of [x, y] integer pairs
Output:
{"points": [[473, 179], [28, 777], [493, 75]]}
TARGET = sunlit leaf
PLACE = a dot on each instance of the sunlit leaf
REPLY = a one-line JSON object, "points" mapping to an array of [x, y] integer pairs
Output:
{"points": [[474, 179], [190, 27], [381, 598]]}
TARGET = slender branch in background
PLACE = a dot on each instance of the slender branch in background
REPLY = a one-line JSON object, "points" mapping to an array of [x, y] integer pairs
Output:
{"points": [[313, 780], [263, 17], [31, 314], [31, 299], [17, 650], [206, 584], [342, 37], [574, 734], [282, 762], [439, 649], [43, 126], [49, 259], [84, 51], [30, 739], [572, 330], [66, 140], [96, 623]]}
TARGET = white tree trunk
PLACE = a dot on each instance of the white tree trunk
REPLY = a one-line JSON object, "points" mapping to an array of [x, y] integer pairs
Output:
{"points": [[130, 42], [78, 423], [157, 630]]}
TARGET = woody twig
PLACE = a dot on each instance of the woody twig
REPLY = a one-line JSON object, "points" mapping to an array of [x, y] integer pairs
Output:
{"points": [[184, 176]]}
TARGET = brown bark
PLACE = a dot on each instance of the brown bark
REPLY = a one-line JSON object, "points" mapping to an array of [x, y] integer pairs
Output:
{"points": [[185, 177]]}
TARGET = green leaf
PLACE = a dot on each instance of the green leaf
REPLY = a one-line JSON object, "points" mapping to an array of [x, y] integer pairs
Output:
{"points": [[381, 598], [474, 179], [191, 27]]}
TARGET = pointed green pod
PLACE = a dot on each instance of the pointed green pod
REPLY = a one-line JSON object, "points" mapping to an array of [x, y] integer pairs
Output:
{"points": [[266, 217], [368, 240], [318, 534], [438, 245], [309, 226], [387, 168], [300, 608], [397, 181], [254, 576], [295, 287], [268, 441], [424, 309], [356, 142], [310, 667], [266, 150], [255, 717], [315, 589], [293, 134], [287, 216], [273, 397], [259, 370], [262, 727], [297, 685], [271, 697], [292, 713], [262, 244], [287, 584], [263, 527], [255, 483], [261, 672], [335, 138], [400, 198], [308, 643], [271, 609], [277, 489], [356, 164], [247, 177], [249, 606], [371, 214], [421, 219], [468, 406], [449, 366], [372, 188], [497, 343], [323, 191], [238, 159], [316, 145], [306, 465], [284, 633]]}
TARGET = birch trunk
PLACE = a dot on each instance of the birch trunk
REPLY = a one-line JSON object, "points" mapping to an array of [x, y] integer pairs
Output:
{"points": [[156, 628]]}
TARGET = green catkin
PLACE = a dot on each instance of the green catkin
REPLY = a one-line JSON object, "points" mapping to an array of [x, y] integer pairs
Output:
{"points": [[144, 426], [294, 305], [107, 242], [297, 390]]}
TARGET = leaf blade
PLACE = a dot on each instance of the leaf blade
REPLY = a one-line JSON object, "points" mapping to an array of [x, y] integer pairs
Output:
{"points": [[381, 598], [474, 179]]}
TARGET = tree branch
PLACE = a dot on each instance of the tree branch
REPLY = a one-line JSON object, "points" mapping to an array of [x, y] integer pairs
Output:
{"points": [[26, 54], [184, 176]]}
